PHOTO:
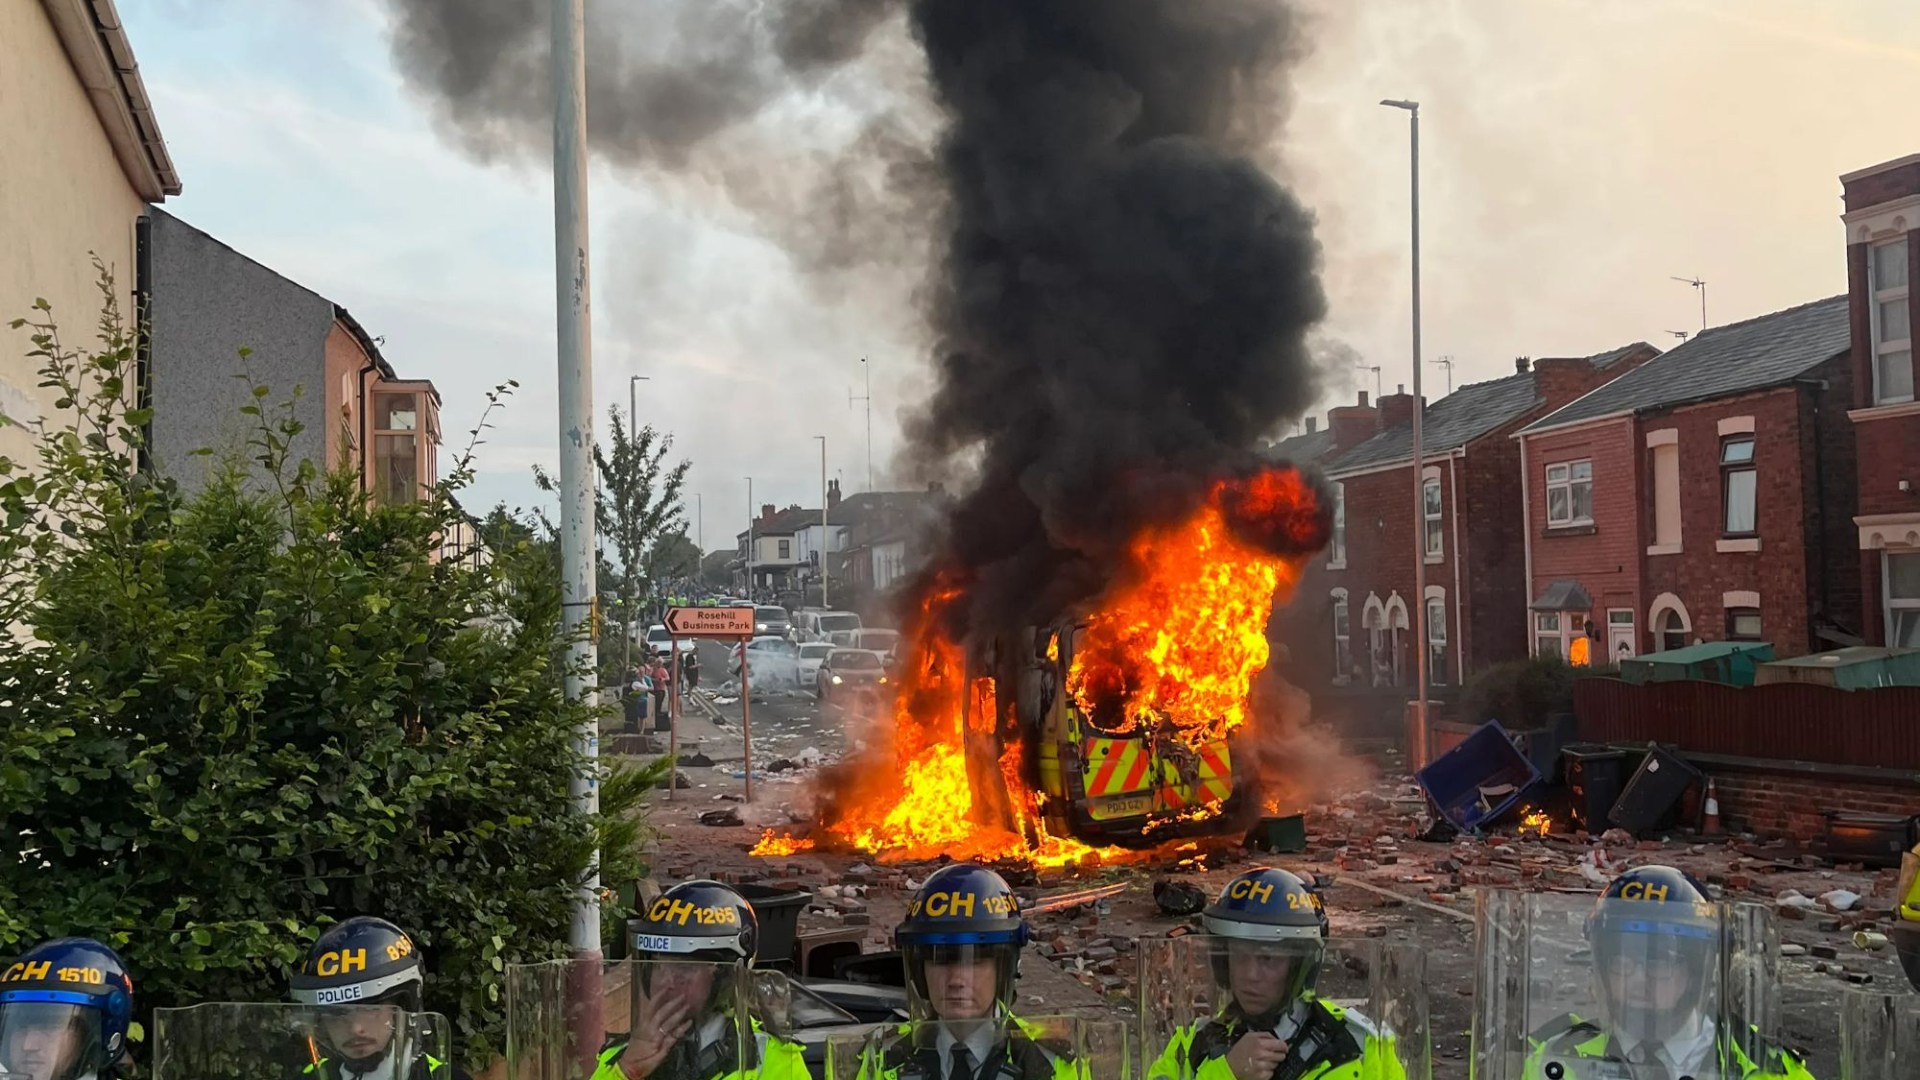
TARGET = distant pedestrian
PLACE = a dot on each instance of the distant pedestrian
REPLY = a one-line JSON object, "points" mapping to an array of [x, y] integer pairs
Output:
{"points": [[690, 670], [660, 677]]}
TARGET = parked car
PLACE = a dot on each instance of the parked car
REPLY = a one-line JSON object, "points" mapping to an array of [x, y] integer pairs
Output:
{"points": [[813, 655], [773, 657], [659, 641], [771, 620], [876, 639], [850, 671], [819, 624]]}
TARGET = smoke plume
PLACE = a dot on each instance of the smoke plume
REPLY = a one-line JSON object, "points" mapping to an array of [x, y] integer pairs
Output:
{"points": [[1123, 299]]}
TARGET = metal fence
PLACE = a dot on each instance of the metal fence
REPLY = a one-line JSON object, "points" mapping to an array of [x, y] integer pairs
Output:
{"points": [[1791, 721]]}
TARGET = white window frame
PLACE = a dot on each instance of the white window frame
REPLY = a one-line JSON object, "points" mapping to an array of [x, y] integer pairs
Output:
{"points": [[1878, 296], [1337, 547], [1566, 482], [1436, 635], [1433, 513], [1557, 632], [1727, 472], [1342, 642], [1888, 604]]}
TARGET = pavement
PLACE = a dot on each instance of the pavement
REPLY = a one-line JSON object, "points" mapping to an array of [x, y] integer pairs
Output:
{"points": [[1379, 881]]}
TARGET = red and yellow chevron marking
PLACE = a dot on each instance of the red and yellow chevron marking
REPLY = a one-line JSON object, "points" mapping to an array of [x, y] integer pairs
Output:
{"points": [[1119, 766]]}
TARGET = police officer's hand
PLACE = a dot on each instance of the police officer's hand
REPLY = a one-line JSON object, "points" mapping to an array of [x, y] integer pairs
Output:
{"points": [[1255, 1056], [655, 1036]]}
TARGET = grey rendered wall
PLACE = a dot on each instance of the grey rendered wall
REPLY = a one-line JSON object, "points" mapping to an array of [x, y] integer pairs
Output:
{"points": [[208, 301]]}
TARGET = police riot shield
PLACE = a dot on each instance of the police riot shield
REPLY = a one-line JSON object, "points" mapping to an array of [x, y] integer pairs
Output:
{"points": [[1574, 985], [274, 1041], [572, 1019], [1300, 1005], [1030, 1048], [1879, 1036]]}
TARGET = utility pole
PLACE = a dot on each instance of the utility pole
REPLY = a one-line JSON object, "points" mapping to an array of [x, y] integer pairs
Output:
{"points": [[1419, 462], [700, 526], [574, 326], [1702, 286], [750, 596], [866, 371], [823, 521]]}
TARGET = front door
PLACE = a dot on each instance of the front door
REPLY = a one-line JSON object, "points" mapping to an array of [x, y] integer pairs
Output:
{"points": [[1620, 637]]}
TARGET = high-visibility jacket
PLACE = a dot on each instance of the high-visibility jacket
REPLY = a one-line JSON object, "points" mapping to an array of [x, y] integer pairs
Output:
{"points": [[1571, 1040], [775, 1059], [424, 1067], [892, 1055], [1199, 1051], [1910, 885]]}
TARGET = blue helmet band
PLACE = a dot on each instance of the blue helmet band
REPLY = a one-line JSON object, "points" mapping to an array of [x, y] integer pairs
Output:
{"points": [[959, 937], [54, 997], [1663, 929]]}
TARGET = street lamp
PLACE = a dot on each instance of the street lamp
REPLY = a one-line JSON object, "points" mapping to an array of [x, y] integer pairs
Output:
{"points": [[633, 400], [1412, 109], [823, 521], [750, 596]]}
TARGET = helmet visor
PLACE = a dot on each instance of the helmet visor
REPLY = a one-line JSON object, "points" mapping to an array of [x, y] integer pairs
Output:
{"points": [[49, 1040], [1655, 976], [959, 982], [358, 1034], [1262, 977]]}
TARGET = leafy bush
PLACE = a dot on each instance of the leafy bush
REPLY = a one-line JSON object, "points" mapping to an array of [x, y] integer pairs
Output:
{"points": [[1523, 693], [233, 717]]}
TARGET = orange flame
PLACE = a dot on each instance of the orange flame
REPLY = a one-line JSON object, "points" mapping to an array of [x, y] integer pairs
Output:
{"points": [[1173, 649], [1536, 822]]}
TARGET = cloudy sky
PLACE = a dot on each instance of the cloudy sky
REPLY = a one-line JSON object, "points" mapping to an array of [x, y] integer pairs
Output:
{"points": [[1576, 155]]}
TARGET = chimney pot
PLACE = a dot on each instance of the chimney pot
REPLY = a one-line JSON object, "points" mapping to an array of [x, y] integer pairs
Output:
{"points": [[1399, 388], [1313, 424], [1363, 399], [1521, 364]]}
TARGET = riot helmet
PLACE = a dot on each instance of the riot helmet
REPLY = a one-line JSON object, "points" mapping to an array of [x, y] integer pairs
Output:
{"points": [[1270, 934], [961, 943], [64, 1011], [365, 975], [1656, 939], [706, 927]]}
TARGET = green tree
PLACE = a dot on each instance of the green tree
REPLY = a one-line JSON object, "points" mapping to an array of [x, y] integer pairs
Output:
{"points": [[674, 556], [232, 717], [714, 570]]}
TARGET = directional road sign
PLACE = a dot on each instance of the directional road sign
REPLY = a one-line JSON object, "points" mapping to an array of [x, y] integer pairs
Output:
{"points": [[710, 622]]}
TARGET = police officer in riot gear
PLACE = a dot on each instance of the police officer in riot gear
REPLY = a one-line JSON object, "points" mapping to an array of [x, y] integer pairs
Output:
{"points": [[1270, 932], [364, 977], [685, 1025], [1655, 936], [64, 1011], [961, 944]]}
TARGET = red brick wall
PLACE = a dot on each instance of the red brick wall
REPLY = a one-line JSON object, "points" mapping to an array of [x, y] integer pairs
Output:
{"points": [[1493, 527], [1604, 558], [1381, 532], [1882, 187], [1793, 805], [1700, 574]]}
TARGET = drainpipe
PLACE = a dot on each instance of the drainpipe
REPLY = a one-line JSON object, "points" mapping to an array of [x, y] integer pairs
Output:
{"points": [[361, 451], [1819, 386], [1459, 598], [143, 339], [1526, 541]]}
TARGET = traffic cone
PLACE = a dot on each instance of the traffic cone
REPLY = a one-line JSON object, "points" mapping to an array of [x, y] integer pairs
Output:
{"points": [[1711, 827]]}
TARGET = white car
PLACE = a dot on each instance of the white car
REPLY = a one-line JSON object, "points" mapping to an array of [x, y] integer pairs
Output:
{"points": [[813, 654], [875, 639], [659, 641], [771, 656], [815, 624]]}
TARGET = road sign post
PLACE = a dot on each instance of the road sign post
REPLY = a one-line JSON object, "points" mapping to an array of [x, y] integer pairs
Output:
{"points": [[673, 715], [725, 624]]}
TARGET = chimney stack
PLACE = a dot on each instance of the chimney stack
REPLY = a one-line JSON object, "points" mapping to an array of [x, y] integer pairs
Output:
{"points": [[1313, 424], [766, 511], [1353, 424], [833, 494], [1396, 409], [1521, 364], [1559, 380]]}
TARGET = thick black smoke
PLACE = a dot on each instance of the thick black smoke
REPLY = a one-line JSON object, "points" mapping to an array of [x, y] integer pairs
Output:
{"points": [[1124, 298]]}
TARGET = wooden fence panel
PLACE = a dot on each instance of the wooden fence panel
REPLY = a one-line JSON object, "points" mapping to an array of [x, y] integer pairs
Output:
{"points": [[1791, 721]]}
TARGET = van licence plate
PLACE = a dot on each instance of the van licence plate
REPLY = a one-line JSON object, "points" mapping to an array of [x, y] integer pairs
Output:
{"points": [[1119, 806]]}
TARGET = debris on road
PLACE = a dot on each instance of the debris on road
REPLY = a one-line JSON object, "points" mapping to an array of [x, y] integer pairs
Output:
{"points": [[1177, 897], [724, 817]]}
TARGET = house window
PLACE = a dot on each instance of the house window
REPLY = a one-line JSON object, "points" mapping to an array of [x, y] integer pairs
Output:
{"points": [[1901, 572], [1743, 624], [786, 549], [1739, 486], [1430, 504], [1546, 635], [1892, 324], [396, 472], [1570, 493], [1437, 640], [1342, 639], [397, 412], [1337, 549]]}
